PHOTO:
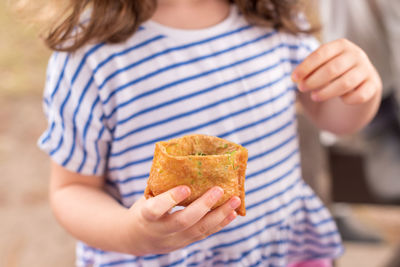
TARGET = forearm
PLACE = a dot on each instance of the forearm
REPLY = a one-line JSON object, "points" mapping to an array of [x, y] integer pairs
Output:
{"points": [[90, 215], [337, 117], [391, 20], [147, 227], [85, 210]]}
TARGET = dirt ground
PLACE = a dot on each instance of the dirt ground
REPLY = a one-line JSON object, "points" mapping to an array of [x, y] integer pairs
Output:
{"points": [[29, 233], [30, 236]]}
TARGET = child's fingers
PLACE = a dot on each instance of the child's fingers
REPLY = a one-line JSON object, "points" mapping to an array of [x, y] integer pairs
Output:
{"points": [[228, 219], [361, 94], [213, 221], [328, 72], [187, 217], [317, 58], [342, 85], [157, 206]]}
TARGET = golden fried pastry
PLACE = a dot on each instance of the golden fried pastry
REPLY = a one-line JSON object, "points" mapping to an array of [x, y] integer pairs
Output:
{"points": [[200, 162]]}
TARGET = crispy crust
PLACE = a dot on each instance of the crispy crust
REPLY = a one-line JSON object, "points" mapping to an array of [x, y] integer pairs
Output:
{"points": [[200, 162]]}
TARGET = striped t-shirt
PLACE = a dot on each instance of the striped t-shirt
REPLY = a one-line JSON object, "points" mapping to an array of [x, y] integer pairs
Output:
{"points": [[107, 105]]}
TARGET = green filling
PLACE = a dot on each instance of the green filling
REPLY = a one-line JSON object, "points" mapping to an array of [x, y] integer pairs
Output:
{"points": [[199, 173], [231, 158]]}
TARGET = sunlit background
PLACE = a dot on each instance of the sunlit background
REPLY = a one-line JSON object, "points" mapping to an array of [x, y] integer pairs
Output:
{"points": [[29, 235]]}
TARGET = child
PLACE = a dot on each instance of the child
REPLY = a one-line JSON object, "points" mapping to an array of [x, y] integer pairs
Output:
{"points": [[137, 72]]}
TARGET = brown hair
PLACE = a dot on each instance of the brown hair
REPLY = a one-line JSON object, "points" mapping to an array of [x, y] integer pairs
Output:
{"points": [[114, 21]]}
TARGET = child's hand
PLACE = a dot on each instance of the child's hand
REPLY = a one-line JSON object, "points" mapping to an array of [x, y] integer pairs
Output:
{"points": [[338, 69], [152, 230]]}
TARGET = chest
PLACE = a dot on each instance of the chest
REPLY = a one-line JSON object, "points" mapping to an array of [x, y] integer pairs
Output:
{"points": [[166, 78], [239, 90]]}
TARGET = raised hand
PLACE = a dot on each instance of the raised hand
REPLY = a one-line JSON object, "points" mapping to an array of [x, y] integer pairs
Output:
{"points": [[338, 69]]}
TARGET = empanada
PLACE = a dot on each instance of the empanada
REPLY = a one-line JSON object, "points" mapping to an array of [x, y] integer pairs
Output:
{"points": [[200, 162]]}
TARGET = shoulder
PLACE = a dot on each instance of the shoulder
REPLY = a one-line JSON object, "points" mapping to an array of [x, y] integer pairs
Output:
{"points": [[95, 55], [302, 41], [299, 46]]}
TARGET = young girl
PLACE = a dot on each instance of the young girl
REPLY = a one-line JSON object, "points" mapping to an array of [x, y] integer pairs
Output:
{"points": [[130, 73]]}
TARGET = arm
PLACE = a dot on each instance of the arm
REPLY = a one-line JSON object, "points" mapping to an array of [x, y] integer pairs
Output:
{"points": [[391, 18], [82, 207], [339, 88], [85, 210]]}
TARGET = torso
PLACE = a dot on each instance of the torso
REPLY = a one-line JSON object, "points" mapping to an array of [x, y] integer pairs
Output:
{"points": [[233, 81]]}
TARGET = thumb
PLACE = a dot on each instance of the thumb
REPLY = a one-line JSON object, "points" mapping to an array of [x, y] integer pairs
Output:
{"points": [[157, 206]]}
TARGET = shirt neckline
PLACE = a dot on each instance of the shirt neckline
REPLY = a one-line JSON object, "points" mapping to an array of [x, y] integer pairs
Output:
{"points": [[194, 33]]}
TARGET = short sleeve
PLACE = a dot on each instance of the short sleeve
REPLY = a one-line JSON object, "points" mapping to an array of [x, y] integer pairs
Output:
{"points": [[76, 137], [305, 45], [298, 48]]}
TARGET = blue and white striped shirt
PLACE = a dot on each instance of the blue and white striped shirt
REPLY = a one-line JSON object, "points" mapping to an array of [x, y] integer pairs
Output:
{"points": [[107, 105]]}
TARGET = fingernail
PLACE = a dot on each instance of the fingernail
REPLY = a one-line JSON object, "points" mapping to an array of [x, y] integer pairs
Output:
{"points": [[217, 192], [234, 202], [232, 216], [184, 190], [315, 97], [300, 87], [295, 77]]}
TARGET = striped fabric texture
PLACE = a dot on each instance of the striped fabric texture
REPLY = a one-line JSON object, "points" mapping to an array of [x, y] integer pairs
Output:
{"points": [[107, 105]]}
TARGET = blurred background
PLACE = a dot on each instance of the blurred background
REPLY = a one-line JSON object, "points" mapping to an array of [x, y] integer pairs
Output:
{"points": [[355, 176], [29, 235]]}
